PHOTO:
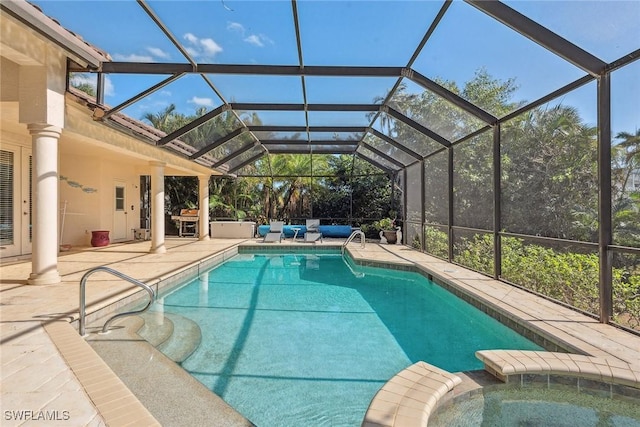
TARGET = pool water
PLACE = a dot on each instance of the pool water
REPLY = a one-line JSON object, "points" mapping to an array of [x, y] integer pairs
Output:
{"points": [[303, 339]]}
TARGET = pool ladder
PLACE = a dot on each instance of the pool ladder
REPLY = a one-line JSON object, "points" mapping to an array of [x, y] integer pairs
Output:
{"points": [[83, 284], [356, 232]]}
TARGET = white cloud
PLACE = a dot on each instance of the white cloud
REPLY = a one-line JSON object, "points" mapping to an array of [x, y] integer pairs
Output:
{"points": [[144, 108], [191, 38], [157, 52], [202, 102], [109, 89], [258, 40], [192, 51], [83, 79], [132, 58], [210, 46], [202, 47], [254, 40], [235, 26], [165, 92]]}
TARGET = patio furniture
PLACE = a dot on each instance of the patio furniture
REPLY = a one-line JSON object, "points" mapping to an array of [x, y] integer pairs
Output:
{"points": [[275, 232], [296, 230], [188, 222], [338, 231], [313, 233]]}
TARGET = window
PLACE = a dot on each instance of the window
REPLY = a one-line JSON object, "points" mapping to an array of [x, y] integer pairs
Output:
{"points": [[6, 197], [119, 198]]}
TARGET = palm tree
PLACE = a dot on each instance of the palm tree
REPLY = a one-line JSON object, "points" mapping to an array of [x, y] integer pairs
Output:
{"points": [[400, 100], [626, 204], [290, 190], [631, 143], [162, 119]]}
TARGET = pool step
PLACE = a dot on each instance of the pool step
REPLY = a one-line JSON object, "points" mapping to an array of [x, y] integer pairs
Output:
{"points": [[156, 328], [173, 397], [183, 339]]}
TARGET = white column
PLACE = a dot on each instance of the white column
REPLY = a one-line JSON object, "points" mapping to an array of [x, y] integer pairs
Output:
{"points": [[203, 205], [44, 258], [157, 208]]}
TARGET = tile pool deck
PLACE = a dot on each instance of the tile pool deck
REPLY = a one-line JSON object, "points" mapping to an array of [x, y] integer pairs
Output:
{"points": [[53, 377]]}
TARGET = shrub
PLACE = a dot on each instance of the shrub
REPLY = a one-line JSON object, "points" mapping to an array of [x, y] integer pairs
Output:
{"points": [[564, 275]]}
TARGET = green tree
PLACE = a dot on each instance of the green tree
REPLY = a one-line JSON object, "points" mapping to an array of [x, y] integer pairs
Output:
{"points": [[566, 274], [166, 120], [361, 194], [625, 198], [631, 143], [180, 192], [491, 94], [549, 174], [81, 82]]}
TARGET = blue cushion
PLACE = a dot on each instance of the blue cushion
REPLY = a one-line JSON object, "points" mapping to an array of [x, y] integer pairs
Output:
{"points": [[335, 230], [326, 230]]}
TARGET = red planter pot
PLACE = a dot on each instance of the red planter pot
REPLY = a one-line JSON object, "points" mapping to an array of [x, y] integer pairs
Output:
{"points": [[99, 238]]}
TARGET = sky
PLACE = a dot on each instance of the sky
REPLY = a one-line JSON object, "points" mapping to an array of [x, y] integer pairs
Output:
{"points": [[352, 33]]}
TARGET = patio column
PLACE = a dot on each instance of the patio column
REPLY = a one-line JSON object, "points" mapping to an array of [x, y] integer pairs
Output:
{"points": [[44, 258], [41, 92], [203, 205], [157, 208]]}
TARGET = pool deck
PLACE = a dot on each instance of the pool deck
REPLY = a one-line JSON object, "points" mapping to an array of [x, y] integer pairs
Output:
{"points": [[50, 375]]}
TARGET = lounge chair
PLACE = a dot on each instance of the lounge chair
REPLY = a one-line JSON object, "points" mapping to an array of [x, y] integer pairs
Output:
{"points": [[275, 233], [313, 233]]}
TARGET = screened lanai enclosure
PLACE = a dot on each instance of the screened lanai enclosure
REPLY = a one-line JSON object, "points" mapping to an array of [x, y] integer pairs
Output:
{"points": [[502, 136]]}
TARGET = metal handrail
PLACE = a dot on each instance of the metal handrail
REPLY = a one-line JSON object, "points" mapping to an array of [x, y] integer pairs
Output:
{"points": [[357, 274], [354, 233], [83, 283]]}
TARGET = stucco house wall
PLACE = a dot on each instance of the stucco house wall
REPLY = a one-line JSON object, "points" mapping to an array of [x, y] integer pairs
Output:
{"points": [[92, 156]]}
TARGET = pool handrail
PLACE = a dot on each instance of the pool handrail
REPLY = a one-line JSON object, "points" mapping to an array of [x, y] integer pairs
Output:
{"points": [[354, 233], [83, 283]]}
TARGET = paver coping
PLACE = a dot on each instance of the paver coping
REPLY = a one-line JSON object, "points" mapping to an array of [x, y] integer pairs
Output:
{"points": [[411, 405], [539, 362]]}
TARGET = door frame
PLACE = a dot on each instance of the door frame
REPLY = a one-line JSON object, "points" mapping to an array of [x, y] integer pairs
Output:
{"points": [[26, 205], [22, 207]]}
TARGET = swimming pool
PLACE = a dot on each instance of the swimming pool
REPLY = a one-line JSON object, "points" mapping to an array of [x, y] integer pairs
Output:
{"points": [[305, 339]]}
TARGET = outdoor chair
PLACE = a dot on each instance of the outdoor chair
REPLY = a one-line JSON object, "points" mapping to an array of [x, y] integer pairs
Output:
{"points": [[313, 233], [275, 233]]}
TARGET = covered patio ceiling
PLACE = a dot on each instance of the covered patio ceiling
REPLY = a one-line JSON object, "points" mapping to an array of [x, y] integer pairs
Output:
{"points": [[326, 77]]}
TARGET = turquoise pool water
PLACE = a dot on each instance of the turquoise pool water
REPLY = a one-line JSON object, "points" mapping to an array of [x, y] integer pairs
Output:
{"points": [[299, 339]]}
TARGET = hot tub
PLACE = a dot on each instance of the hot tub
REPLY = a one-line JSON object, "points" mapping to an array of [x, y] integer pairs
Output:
{"points": [[542, 405]]}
